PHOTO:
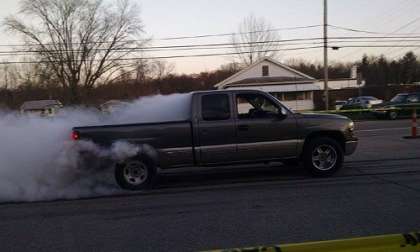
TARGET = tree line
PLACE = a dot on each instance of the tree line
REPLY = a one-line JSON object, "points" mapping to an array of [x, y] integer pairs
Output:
{"points": [[78, 51]]}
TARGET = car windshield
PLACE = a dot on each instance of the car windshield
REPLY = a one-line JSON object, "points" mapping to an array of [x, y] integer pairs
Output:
{"points": [[370, 98], [399, 98]]}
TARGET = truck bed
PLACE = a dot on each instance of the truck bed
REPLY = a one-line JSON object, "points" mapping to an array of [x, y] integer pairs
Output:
{"points": [[172, 140]]}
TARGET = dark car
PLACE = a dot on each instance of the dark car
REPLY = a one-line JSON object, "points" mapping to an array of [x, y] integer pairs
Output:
{"points": [[401, 105], [361, 102], [228, 127]]}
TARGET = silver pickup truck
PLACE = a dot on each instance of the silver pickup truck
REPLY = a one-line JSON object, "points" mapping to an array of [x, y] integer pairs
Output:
{"points": [[227, 128]]}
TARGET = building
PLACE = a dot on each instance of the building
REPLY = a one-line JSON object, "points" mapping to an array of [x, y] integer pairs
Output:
{"points": [[295, 89], [46, 108]]}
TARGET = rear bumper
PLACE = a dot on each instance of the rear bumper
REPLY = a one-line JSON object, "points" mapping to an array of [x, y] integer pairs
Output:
{"points": [[350, 147]]}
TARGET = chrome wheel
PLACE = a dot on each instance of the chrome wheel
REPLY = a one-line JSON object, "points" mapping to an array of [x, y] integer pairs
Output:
{"points": [[324, 157], [135, 172]]}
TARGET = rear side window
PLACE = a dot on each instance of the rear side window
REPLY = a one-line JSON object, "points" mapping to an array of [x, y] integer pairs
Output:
{"points": [[215, 107], [413, 98]]}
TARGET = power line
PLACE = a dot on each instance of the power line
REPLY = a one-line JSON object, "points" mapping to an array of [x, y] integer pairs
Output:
{"points": [[285, 42], [239, 33], [163, 57], [366, 31], [180, 37], [388, 35], [177, 46]]}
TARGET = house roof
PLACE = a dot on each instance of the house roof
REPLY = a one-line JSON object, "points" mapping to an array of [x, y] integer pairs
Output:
{"points": [[267, 80], [227, 81], [40, 104]]}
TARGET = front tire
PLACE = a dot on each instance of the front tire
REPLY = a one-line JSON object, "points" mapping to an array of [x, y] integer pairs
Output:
{"points": [[135, 174], [392, 115], [323, 156]]}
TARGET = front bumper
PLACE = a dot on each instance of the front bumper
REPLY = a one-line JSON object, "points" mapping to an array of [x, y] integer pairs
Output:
{"points": [[350, 147]]}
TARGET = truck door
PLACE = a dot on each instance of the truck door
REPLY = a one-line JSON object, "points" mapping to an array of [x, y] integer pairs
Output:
{"points": [[263, 133], [216, 129]]}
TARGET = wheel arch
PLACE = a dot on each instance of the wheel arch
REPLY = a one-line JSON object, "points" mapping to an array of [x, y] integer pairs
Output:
{"points": [[333, 134]]}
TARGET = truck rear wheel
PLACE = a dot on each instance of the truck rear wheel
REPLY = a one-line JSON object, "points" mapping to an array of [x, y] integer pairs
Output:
{"points": [[135, 174], [323, 156]]}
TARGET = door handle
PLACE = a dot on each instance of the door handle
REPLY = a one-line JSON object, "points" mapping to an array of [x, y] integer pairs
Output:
{"points": [[243, 127]]}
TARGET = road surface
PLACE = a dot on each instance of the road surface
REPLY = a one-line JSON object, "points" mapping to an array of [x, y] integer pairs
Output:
{"points": [[377, 192]]}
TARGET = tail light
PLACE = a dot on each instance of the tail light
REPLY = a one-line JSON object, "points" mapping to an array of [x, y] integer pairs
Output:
{"points": [[75, 135]]}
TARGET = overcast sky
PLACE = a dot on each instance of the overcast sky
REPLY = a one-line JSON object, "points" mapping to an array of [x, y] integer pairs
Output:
{"points": [[168, 18]]}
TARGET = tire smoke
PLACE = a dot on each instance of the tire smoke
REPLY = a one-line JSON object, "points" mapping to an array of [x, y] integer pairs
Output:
{"points": [[38, 161]]}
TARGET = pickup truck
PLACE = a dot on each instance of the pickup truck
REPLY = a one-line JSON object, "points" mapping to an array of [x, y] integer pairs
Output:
{"points": [[228, 127]]}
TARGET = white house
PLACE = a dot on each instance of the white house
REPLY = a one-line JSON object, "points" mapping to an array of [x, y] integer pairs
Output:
{"points": [[45, 108], [295, 89]]}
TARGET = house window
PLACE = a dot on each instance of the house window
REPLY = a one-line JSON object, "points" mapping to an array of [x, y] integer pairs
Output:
{"points": [[290, 96], [308, 95], [300, 96], [279, 96], [265, 71]]}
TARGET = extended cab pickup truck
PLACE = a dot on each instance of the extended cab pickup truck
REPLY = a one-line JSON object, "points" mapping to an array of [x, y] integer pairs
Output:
{"points": [[228, 127]]}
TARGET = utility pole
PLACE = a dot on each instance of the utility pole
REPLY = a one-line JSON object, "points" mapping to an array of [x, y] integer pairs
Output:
{"points": [[326, 97]]}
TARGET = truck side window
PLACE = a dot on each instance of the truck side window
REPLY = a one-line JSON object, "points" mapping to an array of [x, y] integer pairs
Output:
{"points": [[255, 106], [215, 107]]}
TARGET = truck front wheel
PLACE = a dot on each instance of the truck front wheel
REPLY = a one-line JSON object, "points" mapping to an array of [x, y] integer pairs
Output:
{"points": [[323, 156], [135, 174]]}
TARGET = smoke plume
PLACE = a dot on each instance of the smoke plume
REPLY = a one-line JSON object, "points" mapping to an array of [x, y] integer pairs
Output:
{"points": [[38, 161]]}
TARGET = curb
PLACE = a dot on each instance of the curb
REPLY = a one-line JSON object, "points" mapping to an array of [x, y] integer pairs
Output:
{"points": [[408, 242]]}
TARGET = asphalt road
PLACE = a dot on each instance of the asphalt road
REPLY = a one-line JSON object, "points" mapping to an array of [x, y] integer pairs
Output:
{"points": [[377, 192]]}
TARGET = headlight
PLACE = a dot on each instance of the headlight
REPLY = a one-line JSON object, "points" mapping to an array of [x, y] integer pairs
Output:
{"points": [[351, 126]]}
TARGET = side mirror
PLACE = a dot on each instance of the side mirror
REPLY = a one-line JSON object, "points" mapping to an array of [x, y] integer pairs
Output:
{"points": [[282, 113]]}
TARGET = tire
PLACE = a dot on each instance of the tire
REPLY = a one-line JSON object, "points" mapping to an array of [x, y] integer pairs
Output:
{"points": [[316, 159], [392, 115], [135, 174]]}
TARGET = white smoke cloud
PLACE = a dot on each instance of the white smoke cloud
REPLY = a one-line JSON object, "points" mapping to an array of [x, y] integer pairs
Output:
{"points": [[38, 161]]}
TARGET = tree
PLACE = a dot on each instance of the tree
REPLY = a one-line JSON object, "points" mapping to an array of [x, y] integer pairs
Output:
{"points": [[255, 39], [81, 41], [409, 67], [160, 69]]}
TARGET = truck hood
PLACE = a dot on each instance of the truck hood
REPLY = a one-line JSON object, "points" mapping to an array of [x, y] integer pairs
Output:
{"points": [[322, 116], [322, 122]]}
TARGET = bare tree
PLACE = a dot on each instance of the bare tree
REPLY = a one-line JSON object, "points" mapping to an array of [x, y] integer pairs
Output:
{"points": [[160, 69], [254, 40], [156, 69], [82, 41]]}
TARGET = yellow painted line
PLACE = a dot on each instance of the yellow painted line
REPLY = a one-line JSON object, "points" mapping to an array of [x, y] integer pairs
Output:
{"points": [[409, 242], [360, 110]]}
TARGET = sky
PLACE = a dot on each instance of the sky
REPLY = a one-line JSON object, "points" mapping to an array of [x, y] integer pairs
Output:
{"points": [[169, 18]]}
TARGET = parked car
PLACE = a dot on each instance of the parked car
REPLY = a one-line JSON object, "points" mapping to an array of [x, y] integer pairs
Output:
{"points": [[339, 104], [400, 106], [361, 102], [228, 127]]}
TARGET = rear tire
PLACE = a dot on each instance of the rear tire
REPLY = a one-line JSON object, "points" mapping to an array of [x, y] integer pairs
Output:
{"points": [[137, 173], [323, 156]]}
